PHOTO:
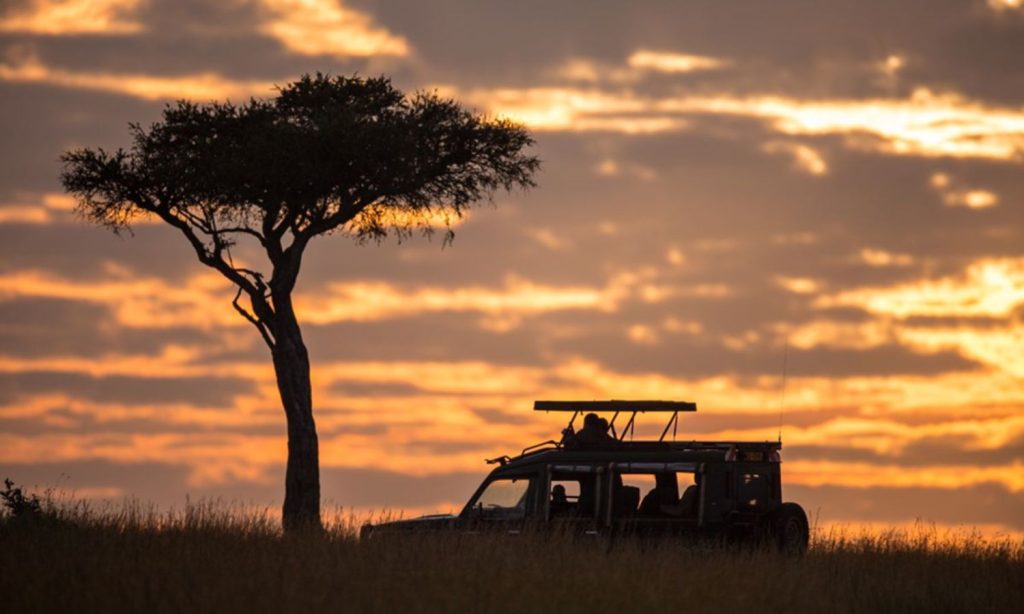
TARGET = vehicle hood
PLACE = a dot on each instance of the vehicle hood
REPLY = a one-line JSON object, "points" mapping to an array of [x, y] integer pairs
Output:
{"points": [[422, 523]]}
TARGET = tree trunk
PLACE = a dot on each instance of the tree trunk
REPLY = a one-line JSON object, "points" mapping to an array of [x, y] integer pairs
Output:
{"points": [[291, 365]]}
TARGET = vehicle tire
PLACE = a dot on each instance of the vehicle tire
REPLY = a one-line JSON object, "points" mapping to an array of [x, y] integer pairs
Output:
{"points": [[790, 530]]}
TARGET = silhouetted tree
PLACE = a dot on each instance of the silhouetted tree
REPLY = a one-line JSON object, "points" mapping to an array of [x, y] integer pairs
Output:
{"points": [[327, 154]]}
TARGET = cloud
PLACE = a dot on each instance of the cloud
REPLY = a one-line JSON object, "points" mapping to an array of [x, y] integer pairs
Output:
{"points": [[547, 238], [924, 124], [798, 285], [805, 158], [610, 168], [1005, 5], [123, 389], [875, 257], [198, 86], [642, 334], [971, 313], [327, 27], [669, 62], [63, 17], [202, 300], [366, 301], [570, 109], [954, 195], [42, 209], [989, 287]]}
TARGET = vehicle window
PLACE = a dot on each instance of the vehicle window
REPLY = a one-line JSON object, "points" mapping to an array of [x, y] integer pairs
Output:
{"points": [[656, 495], [642, 481], [504, 498], [572, 495], [685, 480], [755, 489]]}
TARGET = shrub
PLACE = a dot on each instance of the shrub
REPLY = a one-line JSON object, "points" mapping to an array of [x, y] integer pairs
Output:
{"points": [[17, 504]]}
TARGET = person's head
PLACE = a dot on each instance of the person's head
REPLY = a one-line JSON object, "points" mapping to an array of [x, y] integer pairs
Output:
{"points": [[558, 493], [602, 424], [591, 421]]}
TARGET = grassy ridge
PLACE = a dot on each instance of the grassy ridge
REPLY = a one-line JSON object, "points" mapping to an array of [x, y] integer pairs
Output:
{"points": [[212, 558]]}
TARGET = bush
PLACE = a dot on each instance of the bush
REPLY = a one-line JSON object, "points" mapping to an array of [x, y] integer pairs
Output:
{"points": [[17, 504]]}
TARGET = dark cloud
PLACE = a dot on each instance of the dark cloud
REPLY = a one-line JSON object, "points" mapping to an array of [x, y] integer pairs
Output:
{"points": [[52, 119], [981, 504], [426, 337], [688, 357], [783, 46], [499, 416], [65, 421], [215, 391], [928, 452], [710, 420], [160, 483], [167, 484], [35, 327]]}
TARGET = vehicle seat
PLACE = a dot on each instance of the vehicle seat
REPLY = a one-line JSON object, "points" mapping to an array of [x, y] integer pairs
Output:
{"points": [[626, 501], [688, 502], [659, 496]]}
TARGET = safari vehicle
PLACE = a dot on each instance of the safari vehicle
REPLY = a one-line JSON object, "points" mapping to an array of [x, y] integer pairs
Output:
{"points": [[614, 484]]}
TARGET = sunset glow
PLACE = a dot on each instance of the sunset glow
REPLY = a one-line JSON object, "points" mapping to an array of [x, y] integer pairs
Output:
{"points": [[716, 214]]}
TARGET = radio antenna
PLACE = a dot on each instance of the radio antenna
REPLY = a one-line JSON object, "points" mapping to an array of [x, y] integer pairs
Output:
{"points": [[785, 365]]}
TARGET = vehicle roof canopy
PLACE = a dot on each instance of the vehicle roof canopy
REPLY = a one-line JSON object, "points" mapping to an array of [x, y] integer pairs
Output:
{"points": [[694, 450], [616, 406]]}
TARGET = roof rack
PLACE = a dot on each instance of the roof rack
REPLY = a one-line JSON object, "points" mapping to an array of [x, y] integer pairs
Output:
{"points": [[615, 405], [618, 406]]}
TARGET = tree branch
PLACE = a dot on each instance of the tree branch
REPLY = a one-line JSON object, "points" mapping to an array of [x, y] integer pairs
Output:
{"points": [[260, 326], [212, 260]]}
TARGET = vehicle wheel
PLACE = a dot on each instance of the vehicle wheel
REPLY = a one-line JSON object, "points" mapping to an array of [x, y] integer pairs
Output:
{"points": [[790, 531]]}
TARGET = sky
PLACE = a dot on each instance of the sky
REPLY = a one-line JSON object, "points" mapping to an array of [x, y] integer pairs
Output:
{"points": [[730, 190]]}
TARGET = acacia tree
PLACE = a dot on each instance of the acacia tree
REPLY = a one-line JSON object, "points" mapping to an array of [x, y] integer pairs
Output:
{"points": [[326, 155]]}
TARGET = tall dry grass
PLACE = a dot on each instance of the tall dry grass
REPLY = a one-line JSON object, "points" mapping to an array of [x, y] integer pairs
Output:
{"points": [[208, 557]]}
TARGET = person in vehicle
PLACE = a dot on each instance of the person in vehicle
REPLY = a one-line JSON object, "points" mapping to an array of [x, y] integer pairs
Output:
{"points": [[664, 494], [559, 501], [688, 502], [593, 436]]}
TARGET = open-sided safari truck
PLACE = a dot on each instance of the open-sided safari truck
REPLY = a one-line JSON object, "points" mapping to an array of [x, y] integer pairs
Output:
{"points": [[601, 480]]}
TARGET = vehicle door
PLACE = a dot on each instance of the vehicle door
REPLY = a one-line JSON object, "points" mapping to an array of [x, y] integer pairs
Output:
{"points": [[575, 497], [756, 487], [504, 503], [648, 498], [717, 493]]}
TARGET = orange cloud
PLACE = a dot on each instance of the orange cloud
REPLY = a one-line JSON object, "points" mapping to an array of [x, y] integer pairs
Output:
{"points": [[1005, 5], [40, 209], [805, 158], [989, 287], [327, 27], [202, 299], [957, 196], [924, 124], [880, 258], [798, 285], [57, 17], [199, 86], [670, 62]]}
